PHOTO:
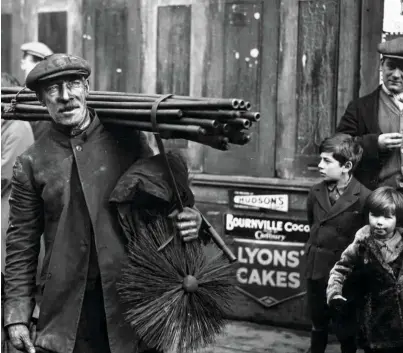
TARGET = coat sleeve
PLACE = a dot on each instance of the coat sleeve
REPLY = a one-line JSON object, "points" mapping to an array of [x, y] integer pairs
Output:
{"points": [[14, 142], [26, 224], [349, 124], [341, 270], [309, 208]]}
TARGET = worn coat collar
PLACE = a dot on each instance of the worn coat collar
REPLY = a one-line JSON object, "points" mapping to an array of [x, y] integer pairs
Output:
{"points": [[364, 236], [349, 196], [63, 138]]}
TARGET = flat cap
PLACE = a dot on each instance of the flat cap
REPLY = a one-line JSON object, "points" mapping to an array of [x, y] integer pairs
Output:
{"points": [[36, 49], [392, 48], [57, 65]]}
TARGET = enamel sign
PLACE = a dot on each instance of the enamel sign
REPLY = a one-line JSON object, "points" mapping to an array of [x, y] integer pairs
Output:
{"points": [[248, 200]]}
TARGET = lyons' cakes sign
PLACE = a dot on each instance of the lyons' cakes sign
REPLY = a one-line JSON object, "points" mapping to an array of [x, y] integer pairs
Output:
{"points": [[270, 256]]}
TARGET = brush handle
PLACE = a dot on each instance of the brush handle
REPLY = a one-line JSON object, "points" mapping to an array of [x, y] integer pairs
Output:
{"points": [[218, 240]]}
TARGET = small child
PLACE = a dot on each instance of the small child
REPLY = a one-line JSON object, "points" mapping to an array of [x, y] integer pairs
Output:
{"points": [[376, 257], [335, 213]]}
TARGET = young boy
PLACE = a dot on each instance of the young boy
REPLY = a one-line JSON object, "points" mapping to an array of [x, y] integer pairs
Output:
{"points": [[334, 214], [376, 256]]}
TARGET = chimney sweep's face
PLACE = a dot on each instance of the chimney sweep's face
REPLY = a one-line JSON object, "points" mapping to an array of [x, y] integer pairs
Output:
{"points": [[66, 99], [392, 72]]}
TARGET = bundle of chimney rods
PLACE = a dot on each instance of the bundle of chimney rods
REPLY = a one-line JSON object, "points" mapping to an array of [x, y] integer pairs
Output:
{"points": [[216, 122]]}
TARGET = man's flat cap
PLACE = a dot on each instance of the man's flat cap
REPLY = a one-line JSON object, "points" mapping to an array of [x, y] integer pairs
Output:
{"points": [[392, 48], [36, 49], [57, 65]]}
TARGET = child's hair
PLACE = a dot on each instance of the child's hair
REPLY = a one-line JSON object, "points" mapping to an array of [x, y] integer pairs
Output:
{"points": [[344, 149], [385, 201]]}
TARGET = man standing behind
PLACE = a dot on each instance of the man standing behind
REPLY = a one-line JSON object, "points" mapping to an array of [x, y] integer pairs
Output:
{"points": [[60, 188], [32, 54], [377, 122], [16, 137]]}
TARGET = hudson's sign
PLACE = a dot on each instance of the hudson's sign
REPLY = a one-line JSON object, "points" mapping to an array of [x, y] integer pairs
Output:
{"points": [[258, 201]]}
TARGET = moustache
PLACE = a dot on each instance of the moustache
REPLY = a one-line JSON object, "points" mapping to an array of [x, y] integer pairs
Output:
{"points": [[68, 107]]}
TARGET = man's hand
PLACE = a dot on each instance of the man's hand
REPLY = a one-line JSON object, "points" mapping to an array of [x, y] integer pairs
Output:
{"points": [[20, 338], [188, 223], [337, 302], [390, 140]]}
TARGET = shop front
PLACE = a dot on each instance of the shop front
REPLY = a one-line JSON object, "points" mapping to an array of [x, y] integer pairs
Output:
{"points": [[298, 62]]}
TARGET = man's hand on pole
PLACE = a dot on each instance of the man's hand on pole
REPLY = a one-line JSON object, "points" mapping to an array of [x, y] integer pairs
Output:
{"points": [[188, 223]]}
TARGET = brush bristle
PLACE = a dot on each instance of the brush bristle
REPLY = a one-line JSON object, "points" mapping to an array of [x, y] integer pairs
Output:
{"points": [[160, 311]]}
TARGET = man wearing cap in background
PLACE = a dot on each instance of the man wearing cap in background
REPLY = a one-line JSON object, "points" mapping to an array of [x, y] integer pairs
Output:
{"points": [[32, 54], [60, 187], [377, 122]]}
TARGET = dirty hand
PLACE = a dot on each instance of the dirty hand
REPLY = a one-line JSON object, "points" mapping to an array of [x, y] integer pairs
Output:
{"points": [[187, 222], [337, 302], [390, 140], [20, 338]]}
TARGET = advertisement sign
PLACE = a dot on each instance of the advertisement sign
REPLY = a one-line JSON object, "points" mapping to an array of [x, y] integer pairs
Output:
{"points": [[258, 200], [270, 272], [266, 228]]}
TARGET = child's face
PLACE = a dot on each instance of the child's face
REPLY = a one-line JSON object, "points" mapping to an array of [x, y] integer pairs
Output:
{"points": [[382, 226], [330, 168]]}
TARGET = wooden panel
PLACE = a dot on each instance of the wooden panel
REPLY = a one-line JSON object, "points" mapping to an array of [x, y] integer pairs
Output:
{"points": [[349, 54], [50, 5], [6, 35], [198, 42], [371, 35], [287, 90], [22, 31], [268, 88], [317, 80], [173, 55], [6, 6], [173, 49], [214, 53], [134, 47], [52, 30], [88, 37], [111, 48], [75, 22], [241, 79]]}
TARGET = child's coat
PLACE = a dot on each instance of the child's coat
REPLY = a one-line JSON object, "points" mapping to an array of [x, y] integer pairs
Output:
{"points": [[381, 317]]}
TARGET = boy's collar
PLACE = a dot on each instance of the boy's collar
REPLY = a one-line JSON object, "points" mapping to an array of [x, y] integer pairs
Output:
{"points": [[332, 185]]}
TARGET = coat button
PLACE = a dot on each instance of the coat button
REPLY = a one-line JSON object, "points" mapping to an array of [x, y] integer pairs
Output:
{"points": [[49, 276], [79, 148]]}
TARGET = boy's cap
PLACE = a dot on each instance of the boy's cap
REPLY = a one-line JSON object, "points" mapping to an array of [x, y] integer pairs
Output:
{"points": [[37, 49], [57, 65], [392, 48]]}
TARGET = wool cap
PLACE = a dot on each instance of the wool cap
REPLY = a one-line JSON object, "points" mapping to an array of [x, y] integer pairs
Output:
{"points": [[392, 48], [37, 49], [57, 65]]}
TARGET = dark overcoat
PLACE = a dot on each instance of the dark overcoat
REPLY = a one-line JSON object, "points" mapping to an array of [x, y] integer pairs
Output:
{"points": [[360, 120], [332, 227], [381, 318], [40, 203]]}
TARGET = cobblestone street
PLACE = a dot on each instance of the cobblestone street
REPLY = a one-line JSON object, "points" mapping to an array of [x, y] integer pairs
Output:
{"points": [[253, 338]]}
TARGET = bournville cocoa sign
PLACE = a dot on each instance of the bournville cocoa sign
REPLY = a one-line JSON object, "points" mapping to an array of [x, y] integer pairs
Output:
{"points": [[266, 228]]}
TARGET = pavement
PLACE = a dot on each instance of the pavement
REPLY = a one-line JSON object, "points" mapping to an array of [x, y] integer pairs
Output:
{"points": [[246, 337]]}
